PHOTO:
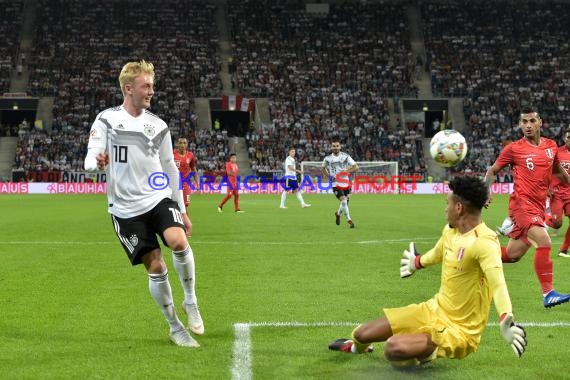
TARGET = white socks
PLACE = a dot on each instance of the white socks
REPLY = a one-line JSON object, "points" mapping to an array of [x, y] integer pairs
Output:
{"points": [[184, 265], [297, 194], [162, 293], [344, 209], [300, 197]]}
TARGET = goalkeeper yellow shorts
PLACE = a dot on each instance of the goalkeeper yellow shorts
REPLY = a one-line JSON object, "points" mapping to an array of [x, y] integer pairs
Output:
{"points": [[451, 340]]}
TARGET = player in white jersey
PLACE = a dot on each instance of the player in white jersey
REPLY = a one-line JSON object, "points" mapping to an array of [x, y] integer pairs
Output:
{"points": [[339, 166], [145, 199], [291, 183]]}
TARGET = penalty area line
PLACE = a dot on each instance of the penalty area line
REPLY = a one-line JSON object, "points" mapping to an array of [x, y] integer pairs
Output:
{"points": [[242, 356], [242, 359]]}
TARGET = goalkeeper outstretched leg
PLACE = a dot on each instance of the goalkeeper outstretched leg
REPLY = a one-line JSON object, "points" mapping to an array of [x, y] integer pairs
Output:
{"points": [[400, 350], [410, 350]]}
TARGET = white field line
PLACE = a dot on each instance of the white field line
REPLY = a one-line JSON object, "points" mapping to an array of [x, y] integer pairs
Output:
{"points": [[242, 357], [210, 242], [241, 367]]}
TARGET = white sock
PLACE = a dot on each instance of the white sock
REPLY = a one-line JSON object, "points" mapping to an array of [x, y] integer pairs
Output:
{"points": [[184, 265], [344, 207], [340, 209], [300, 197], [162, 293], [283, 197]]}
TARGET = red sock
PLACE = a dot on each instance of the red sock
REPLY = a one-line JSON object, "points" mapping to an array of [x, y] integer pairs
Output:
{"points": [[236, 200], [543, 268], [504, 257], [566, 242]]}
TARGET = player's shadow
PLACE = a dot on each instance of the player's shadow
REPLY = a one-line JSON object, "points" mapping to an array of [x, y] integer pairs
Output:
{"points": [[380, 368]]}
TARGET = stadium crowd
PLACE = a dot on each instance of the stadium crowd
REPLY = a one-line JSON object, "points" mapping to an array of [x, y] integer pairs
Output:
{"points": [[499, 62], [10, 26], [324, 76], [99, 35]]}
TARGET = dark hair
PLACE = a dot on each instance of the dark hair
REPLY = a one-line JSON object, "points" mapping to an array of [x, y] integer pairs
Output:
{"points": [[232, 154], [471, 190], [529, 109]]}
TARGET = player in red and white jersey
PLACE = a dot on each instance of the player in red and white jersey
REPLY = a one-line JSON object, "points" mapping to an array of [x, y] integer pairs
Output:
{"points": [[560, 196], [186, 163], [533, 159]]}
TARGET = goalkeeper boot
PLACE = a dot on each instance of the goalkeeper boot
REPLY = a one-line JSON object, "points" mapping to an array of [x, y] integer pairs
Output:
{"points": [[347, 345], [337, 218], [183, 339], [195, 323], [553, 298]]}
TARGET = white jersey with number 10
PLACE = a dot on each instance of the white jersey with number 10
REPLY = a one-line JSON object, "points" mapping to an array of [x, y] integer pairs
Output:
{"points": [[140, 160]]}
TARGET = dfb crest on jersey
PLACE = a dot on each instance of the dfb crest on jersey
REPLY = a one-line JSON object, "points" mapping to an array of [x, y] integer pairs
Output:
{"points": [[148, 130], [549, 153], [134, 239]]}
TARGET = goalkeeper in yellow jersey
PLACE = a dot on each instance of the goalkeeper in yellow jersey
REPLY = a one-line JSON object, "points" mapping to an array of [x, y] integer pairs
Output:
{"points": [[449, 325]]}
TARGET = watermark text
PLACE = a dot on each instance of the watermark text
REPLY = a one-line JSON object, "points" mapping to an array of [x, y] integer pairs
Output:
{"points": [[342, 181]]}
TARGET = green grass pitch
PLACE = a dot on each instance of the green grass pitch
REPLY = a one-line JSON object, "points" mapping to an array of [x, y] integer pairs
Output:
{"points": [[275, 287]]}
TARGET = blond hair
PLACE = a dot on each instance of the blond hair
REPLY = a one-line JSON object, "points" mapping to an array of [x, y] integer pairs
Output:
{"points": [[131, 70]]}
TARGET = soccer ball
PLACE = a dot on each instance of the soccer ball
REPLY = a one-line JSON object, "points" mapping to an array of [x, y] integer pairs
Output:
{"points": [[448, 148]]}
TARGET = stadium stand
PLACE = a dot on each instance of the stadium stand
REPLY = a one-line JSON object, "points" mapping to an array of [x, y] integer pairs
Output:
{"points": [[10, 25], [325, 75], [499, 60], [81, 45]]}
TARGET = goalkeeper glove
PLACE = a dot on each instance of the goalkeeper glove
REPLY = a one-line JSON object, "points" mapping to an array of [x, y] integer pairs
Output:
{"points": [[513, 334], [410, 261]]}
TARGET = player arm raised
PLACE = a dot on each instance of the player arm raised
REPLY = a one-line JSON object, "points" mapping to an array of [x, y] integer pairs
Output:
{"points": [[97, 158], [412, 260]]}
